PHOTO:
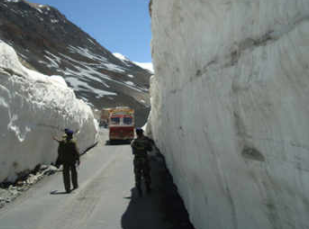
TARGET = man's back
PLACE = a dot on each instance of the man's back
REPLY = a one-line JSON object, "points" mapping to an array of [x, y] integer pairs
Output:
{"points": [[140, 146], [68, 151]]}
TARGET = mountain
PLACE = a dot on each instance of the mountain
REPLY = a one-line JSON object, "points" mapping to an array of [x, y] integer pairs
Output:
{"points": [[46, 41]]}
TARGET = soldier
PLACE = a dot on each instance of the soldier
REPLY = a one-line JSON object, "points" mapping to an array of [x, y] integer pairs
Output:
{"points": [[140, 146], [68, 157], [61, 142]]}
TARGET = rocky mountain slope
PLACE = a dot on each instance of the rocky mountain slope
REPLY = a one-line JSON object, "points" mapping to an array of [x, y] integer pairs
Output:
{"points": [[49, 43]]}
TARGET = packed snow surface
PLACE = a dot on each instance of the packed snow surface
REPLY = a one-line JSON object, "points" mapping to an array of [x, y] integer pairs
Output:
{"points": [[34, 108], [230, 109], [59, 80]]}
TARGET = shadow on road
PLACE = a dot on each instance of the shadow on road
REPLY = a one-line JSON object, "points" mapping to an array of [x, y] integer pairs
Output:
{"points": [[140, 213], [117, 142], [56, 192], [163, 208]]}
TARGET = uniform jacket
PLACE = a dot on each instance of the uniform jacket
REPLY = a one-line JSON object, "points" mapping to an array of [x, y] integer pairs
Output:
{"points": [[68, 152], [140, 146]]}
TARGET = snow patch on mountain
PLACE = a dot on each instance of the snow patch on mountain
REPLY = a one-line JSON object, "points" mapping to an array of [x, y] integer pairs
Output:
{"points": [[86, 53], [147, 66], [121, 57], [15, 1], [54, 21], [130, 83]]}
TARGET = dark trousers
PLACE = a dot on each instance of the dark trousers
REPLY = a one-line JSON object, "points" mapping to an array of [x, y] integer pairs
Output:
{"points": [[141, 169], [69, 171]]}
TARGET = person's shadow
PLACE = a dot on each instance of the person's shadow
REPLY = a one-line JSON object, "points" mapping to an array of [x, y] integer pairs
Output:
{"points": [[140, 212], [163, 208], [56, 192]]}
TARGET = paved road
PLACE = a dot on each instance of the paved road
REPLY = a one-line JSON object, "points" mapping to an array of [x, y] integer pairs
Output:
{"points": [[105, 199]]}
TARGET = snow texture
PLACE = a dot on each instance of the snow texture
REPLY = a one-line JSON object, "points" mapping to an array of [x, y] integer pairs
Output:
{"points": [[230, 109], [15, 1], [147, 66], [90, 72], [130, 83], [34, 108], [121, 57]]}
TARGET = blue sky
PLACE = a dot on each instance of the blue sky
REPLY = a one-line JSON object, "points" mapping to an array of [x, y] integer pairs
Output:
{"points": [[121, 26]]}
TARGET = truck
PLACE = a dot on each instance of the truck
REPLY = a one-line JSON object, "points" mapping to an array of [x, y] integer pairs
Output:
{"points": [[104, 117], [121, 124]]}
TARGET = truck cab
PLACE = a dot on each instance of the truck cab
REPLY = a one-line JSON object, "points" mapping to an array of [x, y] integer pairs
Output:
{"points": [[121, 124]]}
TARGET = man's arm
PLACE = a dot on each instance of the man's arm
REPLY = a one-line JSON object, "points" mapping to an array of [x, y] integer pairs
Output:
{"points": [[60, 154], [56, 139], [77, 156], [133, 146]]}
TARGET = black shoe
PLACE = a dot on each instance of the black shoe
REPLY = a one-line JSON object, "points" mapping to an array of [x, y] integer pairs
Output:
{"points": [[75, 187], [68, 191]]}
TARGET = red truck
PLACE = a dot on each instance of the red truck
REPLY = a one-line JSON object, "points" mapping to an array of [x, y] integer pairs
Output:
{"points": [[121, 124]]}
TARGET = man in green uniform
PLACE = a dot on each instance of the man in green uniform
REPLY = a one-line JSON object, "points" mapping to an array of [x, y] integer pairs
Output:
{"points": [[140, 146], [68, 157]]}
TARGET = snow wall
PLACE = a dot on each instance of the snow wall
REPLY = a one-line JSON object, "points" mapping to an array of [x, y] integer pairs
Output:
{"points": [[230, 109], [33, 109]]}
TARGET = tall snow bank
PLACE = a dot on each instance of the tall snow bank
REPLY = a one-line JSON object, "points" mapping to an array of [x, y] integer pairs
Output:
{"points": [[33, 108], [230, 109]]}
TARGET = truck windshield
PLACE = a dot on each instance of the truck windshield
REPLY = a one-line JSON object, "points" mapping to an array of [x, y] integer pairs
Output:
{"points": [[127, 120], [115, 120]]}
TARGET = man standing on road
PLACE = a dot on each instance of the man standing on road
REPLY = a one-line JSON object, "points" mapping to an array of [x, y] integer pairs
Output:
{"points": [[140, 146], [68, 157]]}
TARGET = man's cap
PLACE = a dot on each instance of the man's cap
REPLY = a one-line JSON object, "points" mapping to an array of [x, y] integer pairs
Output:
{"points": [[139, 130], [69, 132]]}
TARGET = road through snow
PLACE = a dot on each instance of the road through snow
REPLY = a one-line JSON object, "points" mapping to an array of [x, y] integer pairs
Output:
{"points": [[106, 198]]}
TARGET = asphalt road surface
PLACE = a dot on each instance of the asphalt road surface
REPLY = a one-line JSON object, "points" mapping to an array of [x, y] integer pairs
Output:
{"points": [[106, 198]]}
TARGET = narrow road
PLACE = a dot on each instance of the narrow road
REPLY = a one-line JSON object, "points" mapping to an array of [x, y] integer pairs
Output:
{"points": [[106, 198]]}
